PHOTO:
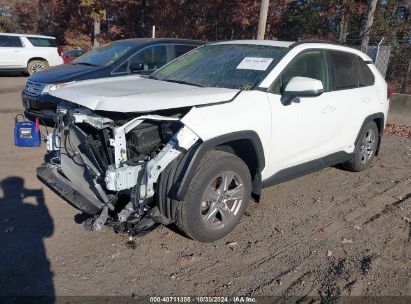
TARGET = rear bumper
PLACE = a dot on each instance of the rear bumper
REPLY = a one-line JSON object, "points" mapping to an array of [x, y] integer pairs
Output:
{"points": [[49, 175]]}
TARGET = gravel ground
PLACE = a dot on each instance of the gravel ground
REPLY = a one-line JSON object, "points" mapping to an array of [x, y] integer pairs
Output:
{"points": [[328, 234]]}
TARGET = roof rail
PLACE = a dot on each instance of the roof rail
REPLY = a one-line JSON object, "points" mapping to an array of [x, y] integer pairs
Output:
{"points": [[312, 41]]}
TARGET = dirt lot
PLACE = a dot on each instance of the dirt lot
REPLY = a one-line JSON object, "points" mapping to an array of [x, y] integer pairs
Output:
{"points": [[332, 233]]}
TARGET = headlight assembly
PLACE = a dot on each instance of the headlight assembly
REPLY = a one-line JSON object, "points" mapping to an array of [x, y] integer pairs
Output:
{"points": [[52, 87]]}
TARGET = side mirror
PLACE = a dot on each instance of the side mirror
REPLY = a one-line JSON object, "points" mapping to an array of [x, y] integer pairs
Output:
{"points": [[301, 87]]}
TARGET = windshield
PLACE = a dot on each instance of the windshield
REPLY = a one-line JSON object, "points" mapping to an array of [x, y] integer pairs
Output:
{"points": [[105, 55], [236, 66]]}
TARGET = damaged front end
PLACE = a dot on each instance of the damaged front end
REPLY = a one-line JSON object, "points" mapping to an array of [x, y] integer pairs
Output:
{"points": [[110, 168]]}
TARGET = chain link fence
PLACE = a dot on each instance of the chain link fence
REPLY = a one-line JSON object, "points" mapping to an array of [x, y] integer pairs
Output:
{"points": [[393, 60], [398, 73]]}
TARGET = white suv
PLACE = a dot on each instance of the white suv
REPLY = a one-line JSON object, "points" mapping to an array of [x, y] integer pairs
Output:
{"points": [[190, 144], [30, 53]]}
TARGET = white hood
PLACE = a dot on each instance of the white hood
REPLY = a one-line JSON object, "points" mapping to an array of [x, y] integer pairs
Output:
{"points": [[137, 94]]}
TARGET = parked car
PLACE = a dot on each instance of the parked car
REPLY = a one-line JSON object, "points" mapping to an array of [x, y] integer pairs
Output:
{"points": [[28, 53], [70, 55], [189, 144], [119, 58]]}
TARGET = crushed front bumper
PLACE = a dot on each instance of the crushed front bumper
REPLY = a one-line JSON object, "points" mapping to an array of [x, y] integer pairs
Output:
{"points": [[50, 176], [121, 191]]}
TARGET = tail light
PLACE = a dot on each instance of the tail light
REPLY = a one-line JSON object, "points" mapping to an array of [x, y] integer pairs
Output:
{"points": [[390, 92], [59, 50]]}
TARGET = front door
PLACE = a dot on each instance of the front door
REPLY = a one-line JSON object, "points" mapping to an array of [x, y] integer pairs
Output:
{"points": [[303, 130]]}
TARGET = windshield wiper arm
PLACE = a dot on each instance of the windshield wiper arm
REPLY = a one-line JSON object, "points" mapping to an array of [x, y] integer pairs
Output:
{"points": [[86, 63], [183, 82]]}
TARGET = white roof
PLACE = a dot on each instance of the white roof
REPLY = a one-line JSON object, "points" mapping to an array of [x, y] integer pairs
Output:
{"points": [[332, 46], [258, 42], [302, 45], [27, 35]]}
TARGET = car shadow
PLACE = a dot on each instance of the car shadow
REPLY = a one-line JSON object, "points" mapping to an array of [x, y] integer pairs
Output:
{"points": [[24, 223], [12, 74]]}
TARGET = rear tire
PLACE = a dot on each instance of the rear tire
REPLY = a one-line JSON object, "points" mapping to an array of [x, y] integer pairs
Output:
{"points": [[365, 149], [35, 66], [217, 197]]}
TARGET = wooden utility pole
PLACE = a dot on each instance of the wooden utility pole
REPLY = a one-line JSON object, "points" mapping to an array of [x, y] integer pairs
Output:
{"points": [[262, 23], [96, 35]]}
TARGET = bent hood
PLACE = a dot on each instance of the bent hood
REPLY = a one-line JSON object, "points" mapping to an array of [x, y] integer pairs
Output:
{"points": [[137, 94]]}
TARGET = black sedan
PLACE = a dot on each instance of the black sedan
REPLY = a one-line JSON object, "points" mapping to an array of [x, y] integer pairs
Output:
{"points": [[122, 57]]}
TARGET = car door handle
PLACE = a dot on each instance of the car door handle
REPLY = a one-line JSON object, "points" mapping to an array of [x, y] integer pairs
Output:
{"points": [[16, 51], [328, 109]]}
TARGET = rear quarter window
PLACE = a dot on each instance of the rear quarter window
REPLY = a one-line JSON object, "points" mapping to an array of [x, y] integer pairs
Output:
{"points": [[366, 76], [344, 68], [42, 42]]}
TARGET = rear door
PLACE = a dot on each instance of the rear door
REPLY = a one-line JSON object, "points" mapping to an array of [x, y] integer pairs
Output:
{"points": [[43, 47], [11, 52], [350, 95]]}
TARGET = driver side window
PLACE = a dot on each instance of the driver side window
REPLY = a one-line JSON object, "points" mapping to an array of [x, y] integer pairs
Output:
{"points": [[146, 60], [149, 59], [310, 64]]}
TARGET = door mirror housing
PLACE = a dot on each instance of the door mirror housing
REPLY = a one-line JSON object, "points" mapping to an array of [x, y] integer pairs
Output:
{"points": [[301, 87]]}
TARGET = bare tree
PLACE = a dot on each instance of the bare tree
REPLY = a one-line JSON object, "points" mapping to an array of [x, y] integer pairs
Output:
{"points": [[365, 32], [342, 35]]}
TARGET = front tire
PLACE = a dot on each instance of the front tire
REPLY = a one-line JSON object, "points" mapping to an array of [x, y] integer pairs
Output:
{"points": [[217, 197], [35, 66], [365, 149]]}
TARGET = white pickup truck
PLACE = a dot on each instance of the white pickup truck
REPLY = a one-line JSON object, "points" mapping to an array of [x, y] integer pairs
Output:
{"points": [[29, 53]]}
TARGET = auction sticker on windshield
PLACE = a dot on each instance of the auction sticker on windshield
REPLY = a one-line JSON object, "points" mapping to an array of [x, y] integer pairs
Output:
{"points": [[254, 63]]}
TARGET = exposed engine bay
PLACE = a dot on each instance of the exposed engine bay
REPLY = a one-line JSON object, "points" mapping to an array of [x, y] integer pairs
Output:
{"points": [[109, 168]]}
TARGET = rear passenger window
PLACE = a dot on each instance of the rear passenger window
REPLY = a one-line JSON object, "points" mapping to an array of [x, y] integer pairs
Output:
{"points": [[367, 78], [42, 42], [310, 64], [345, 70]]}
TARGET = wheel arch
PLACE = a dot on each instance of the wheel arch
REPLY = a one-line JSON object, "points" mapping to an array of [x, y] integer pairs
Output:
{"points": [[36, 58], [379, 119], [244, 144]]}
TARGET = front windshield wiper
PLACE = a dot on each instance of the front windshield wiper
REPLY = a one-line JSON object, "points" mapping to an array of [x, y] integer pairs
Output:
{"points": [[182, 82], [86, 63]]}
